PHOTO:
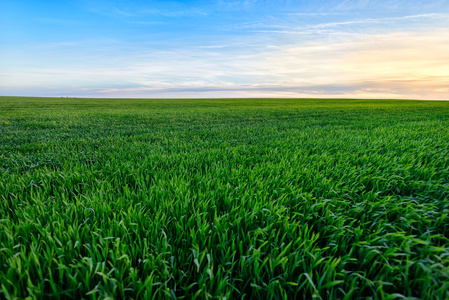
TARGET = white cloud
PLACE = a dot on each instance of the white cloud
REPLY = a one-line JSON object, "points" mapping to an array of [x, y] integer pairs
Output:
{"points": [[394, 65], [330, 61]]}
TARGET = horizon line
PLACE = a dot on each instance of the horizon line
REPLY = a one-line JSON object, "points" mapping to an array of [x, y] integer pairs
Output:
{"points": [[222, 98]]}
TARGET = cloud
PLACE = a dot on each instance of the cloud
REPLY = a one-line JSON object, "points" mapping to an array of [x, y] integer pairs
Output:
{"points": [[392, 65], [274, 58], [343, 27]]}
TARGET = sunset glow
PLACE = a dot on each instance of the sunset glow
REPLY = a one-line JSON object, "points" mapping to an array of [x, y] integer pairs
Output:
{"points": [[357, 49]]}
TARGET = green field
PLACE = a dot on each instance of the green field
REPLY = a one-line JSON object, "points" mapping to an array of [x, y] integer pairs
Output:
{"points": [[224, 198]]}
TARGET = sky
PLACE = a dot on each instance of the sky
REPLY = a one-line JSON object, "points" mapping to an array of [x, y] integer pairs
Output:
{"points": [[225, 48]]}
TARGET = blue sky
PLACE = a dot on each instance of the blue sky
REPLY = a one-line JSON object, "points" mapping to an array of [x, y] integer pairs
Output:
{"points": [[219, 48]]}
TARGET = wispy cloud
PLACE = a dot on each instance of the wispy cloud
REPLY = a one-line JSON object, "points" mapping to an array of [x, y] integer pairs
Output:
{"points": [[404, 64], [279, 53], [324, 27], [377, 20]]}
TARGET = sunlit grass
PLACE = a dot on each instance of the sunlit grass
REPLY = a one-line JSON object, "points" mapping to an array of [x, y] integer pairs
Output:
{"points": [[284, 198]]}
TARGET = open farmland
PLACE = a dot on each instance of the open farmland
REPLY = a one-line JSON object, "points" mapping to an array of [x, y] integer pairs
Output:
{"points": [[290, 198]]}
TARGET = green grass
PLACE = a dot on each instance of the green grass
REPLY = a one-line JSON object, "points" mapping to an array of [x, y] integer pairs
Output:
{"points": [[214, 199]]}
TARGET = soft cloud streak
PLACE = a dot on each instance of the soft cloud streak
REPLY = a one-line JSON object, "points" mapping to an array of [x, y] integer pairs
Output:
{"points": [[395, 65], [289, 54]]}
